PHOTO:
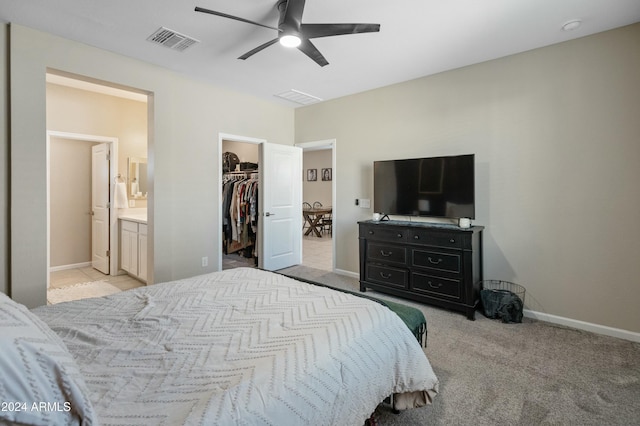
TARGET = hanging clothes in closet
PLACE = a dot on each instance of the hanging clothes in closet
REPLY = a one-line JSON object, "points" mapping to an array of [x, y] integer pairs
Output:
{"points": [[240, 213]]}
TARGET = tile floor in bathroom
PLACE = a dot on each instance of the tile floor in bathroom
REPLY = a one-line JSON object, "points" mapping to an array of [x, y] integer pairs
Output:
{"points": [[69, 277]]}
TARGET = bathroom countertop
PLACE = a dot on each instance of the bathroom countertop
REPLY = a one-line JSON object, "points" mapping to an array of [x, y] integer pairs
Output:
{"points": [[134, 215]]}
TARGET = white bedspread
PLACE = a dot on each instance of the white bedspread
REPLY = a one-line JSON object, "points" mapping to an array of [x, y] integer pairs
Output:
{"points": [[240, 347]]}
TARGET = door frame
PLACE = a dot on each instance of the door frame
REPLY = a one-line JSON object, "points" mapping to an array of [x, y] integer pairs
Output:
{"points": [[113, 216], [232, 138], [327, 144]]}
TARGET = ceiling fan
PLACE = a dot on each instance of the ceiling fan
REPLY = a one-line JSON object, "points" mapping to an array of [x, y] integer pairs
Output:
{"points": [[293, 33]]}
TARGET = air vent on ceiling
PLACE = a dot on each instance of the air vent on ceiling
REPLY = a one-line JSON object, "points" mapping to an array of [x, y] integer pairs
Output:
{"points": [[172, 39], [298, 97]]}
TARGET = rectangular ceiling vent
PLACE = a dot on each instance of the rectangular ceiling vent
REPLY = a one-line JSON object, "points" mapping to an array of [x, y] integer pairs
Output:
{"points": [[299, 97], [172, 39]]}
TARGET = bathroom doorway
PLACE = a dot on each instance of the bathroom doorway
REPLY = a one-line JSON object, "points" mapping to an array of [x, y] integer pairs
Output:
{"points": [[79, 113]]}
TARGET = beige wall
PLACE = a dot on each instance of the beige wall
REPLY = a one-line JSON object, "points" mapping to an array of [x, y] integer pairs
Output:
{"points": [[79, 111], [70, 201], [4, 161], [318, 190], [187, 117], [556, 136]]}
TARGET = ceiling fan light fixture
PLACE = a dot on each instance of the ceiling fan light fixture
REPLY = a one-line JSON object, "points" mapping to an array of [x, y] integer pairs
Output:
{"points": [[290, 40]]}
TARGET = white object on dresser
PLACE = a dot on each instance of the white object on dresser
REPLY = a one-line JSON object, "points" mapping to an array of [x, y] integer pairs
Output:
{"points": [[133, 248]]}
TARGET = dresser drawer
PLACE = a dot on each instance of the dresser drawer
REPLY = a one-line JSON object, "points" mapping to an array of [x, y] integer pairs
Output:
{"points": [[387, 275], [387, 253], [438, 239], [384, 233], [436, 286], [436, 260]]}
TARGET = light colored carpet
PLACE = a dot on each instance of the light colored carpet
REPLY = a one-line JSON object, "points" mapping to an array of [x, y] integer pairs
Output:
{"points": [[80, 291], [515, 374]]}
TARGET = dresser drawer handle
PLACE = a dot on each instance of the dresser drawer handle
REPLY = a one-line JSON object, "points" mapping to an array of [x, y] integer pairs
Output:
{"points": [[399, 235], [452, 241], [386, 253], [416, 237], [434, 286], [370, 232], [434, 262], [385, 276]]}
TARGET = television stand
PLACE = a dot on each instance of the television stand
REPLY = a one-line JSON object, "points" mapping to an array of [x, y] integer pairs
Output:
{"points": [[438, 265]]}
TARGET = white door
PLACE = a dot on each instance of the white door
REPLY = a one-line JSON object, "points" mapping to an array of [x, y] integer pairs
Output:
{"points": [[281, 206], [100, 207]]}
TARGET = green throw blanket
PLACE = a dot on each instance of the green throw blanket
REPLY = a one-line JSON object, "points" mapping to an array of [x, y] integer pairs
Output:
{"points": [[412, 317]]}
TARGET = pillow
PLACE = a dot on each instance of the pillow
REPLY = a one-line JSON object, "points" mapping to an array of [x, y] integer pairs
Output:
{"points": [[40, 383]]}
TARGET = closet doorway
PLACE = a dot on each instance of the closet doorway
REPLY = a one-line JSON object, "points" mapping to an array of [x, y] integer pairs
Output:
{"points": [[274, 217], [240, 185]]}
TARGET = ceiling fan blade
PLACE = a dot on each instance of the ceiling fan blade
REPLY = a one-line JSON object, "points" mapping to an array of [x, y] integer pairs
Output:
{"points": [[293, 14], [327, 30], [224, 15], [258, 49], [311, 51]]}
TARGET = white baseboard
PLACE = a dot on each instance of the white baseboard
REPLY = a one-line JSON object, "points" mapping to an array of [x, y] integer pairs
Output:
{"points": [[582, 325], [73, 266], [347, 273], [554, 319]]}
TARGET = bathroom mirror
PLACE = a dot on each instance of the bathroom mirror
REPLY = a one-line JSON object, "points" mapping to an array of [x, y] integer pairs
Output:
{"points": [[137, 178]]}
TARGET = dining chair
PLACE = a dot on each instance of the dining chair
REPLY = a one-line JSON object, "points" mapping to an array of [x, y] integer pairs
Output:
{"points": [[327, 223], [317, 205], [305, 224]]}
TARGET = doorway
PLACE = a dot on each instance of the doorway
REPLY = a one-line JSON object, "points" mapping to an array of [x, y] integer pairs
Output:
{"points": [[78, 103], [319, 160], [240, 169], [278, 211], [72, 236]]}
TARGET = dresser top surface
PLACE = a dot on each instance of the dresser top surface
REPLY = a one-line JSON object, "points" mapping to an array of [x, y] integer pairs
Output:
{"points": [[423, 225]]}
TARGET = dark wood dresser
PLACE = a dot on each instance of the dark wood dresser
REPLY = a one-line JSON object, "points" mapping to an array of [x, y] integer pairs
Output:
{"points": [[423, 262]]}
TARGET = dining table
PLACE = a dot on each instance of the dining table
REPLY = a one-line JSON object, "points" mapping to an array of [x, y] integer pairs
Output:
{"points": [[313, 216]]}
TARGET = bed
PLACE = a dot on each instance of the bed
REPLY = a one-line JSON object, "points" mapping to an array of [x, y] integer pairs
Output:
{"points": [[237, 347]]}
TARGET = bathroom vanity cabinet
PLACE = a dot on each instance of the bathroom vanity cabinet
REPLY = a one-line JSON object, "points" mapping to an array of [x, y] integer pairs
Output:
{"points": [[133, 248]]}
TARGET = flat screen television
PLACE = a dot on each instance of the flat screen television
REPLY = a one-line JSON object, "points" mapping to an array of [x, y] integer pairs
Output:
{"points": [[442, 187]]}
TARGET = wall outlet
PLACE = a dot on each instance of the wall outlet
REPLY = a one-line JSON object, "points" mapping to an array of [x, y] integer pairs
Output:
{"points": [[205, 261]]}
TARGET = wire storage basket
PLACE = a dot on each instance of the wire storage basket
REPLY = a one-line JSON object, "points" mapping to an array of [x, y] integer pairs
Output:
{"points": [[514, 288], [502, 299]]}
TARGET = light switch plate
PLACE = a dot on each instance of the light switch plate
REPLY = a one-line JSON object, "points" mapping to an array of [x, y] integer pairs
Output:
{"points": [[365, 203]]}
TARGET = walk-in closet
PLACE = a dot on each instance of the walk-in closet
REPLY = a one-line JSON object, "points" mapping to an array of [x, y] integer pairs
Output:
{"points": [[240, 189]]}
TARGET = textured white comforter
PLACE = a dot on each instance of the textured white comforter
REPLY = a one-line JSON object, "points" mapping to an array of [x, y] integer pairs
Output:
{"points": [[240, 347]]}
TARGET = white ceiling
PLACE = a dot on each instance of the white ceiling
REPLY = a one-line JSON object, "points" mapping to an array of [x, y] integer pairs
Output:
{"points": [[417, 37]]}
